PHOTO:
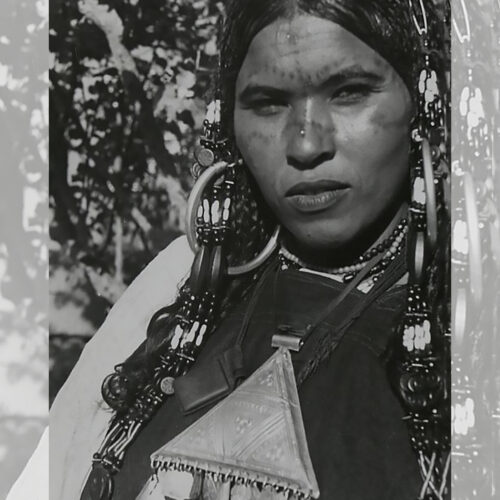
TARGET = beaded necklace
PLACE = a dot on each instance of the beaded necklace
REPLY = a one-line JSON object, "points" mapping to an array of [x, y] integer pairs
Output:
{"points": [[392, 246]]}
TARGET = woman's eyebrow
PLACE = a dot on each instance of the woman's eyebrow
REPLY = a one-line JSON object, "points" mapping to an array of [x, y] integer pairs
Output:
{"points": [[253, 90], [351, 73]]}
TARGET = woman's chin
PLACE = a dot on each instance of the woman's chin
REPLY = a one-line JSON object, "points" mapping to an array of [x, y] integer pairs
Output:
{"points": [[319, 239]]}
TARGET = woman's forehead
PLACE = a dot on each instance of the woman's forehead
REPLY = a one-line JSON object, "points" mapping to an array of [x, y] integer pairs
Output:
{"points": [[307, 50]]}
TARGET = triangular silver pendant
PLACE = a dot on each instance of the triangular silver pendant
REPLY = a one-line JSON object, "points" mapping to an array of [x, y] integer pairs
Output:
{"points": [[253, 437]]}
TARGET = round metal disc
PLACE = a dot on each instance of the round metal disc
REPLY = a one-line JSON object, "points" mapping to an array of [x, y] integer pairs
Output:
{"points": [[167, 386], [205, 157], [99, 485]]}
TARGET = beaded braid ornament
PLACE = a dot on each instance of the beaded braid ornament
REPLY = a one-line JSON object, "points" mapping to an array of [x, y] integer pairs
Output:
{"points": [[185, 334], [213, 147], [424, 350]]}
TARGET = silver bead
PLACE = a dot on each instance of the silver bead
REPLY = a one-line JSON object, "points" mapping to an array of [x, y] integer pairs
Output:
{"points": [[167, 386]]}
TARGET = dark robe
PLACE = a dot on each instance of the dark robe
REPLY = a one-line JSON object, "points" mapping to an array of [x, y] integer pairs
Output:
{"points": [[354, 424]]}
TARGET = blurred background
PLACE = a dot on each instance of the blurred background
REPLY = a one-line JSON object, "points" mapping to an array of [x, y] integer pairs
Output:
{"points": [[23, 232], [129, 83]]}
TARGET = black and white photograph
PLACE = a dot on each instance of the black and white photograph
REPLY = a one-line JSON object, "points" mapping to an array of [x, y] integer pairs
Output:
{"points": [[260, 251]]}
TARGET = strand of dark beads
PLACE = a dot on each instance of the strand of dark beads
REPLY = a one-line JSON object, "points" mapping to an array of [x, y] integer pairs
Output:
{"points": [[384, 245]]}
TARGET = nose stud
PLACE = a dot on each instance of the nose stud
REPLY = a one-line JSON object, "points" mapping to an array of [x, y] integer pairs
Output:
{"points": [[302, 132]]}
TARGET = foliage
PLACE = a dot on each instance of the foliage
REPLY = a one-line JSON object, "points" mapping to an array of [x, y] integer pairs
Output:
{"points": [[128, 85]]}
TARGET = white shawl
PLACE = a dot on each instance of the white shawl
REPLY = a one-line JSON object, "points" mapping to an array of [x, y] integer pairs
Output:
{"points": [[78, 417]]}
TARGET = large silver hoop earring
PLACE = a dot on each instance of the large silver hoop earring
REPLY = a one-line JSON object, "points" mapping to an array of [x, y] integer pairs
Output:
{"points": [[195, 197], [207, 177]]}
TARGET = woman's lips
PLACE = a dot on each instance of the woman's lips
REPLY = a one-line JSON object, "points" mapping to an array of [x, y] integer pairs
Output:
{"points": [[310, 197]]}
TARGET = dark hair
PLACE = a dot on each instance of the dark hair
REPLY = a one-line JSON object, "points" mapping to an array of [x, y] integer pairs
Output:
{"points": [[386, 26]]}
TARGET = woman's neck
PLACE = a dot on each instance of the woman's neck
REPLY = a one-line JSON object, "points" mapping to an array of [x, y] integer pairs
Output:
{"points": [[349, 252]]}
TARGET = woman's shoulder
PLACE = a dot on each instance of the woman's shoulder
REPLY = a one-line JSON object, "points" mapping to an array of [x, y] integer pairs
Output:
{"points": [[171, 264], [155, 287], [161, 277], [178, 252]]}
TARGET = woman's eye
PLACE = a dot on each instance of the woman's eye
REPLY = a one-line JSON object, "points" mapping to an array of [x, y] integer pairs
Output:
{"points": [[351, 93], [266, 107]]}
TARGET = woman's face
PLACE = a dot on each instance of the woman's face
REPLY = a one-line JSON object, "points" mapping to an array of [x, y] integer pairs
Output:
{"points": [[322, 121]]}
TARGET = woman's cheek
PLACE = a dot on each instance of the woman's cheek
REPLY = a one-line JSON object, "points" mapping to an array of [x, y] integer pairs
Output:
{"points": [[256, 141], [251, 145]]}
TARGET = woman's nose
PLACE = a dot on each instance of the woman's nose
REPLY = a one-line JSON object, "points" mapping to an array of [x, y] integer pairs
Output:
{"points": [[310, 139]]}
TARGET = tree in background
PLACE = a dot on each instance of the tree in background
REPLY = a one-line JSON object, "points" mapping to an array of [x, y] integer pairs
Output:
{"points": [[129, 81]]}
